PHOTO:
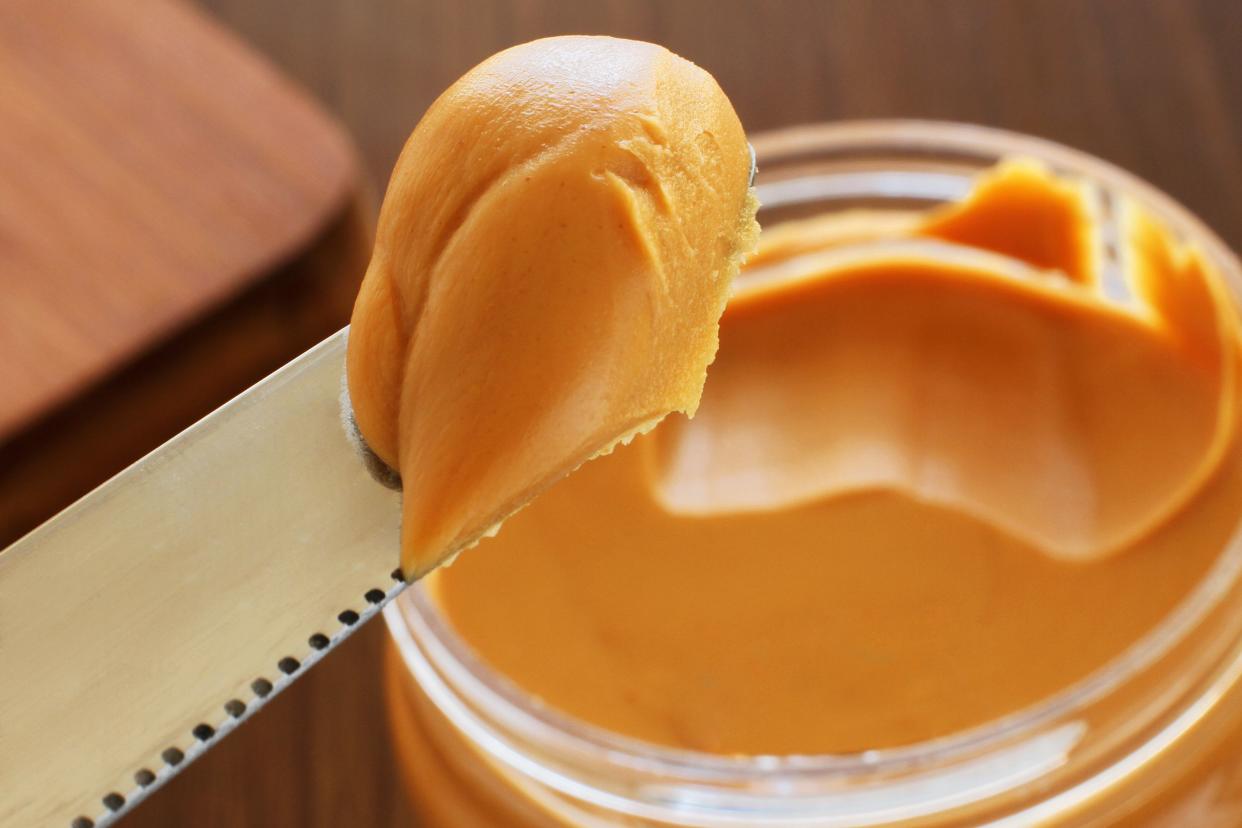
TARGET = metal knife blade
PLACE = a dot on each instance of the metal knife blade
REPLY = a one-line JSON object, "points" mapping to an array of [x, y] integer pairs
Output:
{"points": [[151, 617]]}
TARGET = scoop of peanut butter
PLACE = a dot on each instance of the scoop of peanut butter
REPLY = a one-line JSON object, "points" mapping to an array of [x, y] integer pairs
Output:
{"points": [[553, 255]]}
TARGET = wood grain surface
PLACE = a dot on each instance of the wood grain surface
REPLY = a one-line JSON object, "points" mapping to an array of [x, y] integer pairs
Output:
{"points": [[151, 166], [177, 219], [1153, 86]]}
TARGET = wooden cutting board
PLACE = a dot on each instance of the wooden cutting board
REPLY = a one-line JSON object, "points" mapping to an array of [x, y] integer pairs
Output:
{"points": [[176, 220]]}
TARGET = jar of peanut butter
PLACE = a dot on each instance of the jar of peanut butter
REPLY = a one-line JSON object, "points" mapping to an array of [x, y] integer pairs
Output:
{"points": [[951, 541]]}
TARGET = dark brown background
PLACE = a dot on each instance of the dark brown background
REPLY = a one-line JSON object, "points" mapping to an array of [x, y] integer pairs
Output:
{"points": [[1153, 86]]}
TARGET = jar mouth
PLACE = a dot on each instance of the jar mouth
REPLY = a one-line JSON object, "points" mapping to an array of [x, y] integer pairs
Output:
{"points": [[428, 642]]}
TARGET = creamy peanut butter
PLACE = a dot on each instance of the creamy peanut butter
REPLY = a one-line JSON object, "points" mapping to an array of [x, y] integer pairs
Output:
{"points": [[945, 465], [553, 254]]}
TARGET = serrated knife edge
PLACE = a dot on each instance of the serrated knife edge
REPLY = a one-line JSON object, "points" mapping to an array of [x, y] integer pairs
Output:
{"points": [[196, 746]]}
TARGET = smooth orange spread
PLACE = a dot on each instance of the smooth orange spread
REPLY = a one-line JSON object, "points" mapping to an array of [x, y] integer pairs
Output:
{"points": [[553, 254], [943, 468]]}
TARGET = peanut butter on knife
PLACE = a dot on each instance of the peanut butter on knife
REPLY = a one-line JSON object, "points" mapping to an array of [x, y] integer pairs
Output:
{"points": [[553, 255]]}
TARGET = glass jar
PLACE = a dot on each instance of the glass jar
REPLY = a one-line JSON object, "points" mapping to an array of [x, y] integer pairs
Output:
{"points": [[1152, 739]]}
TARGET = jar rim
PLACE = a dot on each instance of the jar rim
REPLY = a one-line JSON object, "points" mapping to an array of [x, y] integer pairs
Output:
{"points": [[489, 690]]}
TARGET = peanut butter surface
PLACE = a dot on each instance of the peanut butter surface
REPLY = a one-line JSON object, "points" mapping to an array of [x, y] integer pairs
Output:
{"points": [[945, 466], [553, 254]]}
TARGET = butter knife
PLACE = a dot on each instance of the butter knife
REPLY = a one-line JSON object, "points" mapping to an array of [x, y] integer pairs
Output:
{"points": [[150, 618]]}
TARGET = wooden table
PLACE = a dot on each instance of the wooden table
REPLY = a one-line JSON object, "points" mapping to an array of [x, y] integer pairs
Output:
{"points": [[1153, 86]]}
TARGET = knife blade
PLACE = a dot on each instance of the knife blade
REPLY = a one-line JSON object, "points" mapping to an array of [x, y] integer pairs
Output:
{"points": [[150, 618]]}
